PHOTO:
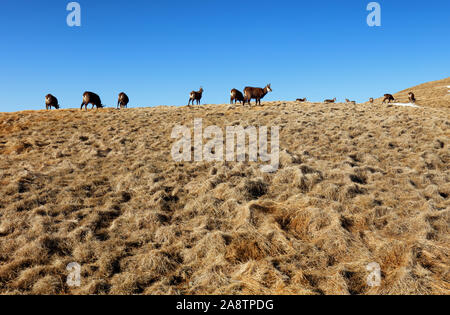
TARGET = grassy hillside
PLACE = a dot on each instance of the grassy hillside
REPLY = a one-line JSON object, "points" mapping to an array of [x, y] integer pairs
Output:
{"points": [[357, 184], [431, 94]]}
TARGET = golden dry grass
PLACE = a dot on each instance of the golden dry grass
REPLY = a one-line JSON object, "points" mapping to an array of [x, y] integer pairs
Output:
{"points": [[357, 184], [431, 94]]}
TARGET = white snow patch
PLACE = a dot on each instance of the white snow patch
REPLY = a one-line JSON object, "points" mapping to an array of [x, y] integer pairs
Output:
{"points": [[406, 105]]}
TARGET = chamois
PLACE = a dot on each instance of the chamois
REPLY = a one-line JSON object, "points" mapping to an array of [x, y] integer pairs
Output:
{"points": [[255, 93], [123, 100], [330, 101], [412, 98], [51, 101], [371, 100], [196, 96], [351, 102], [236, 96], [389, 98], [91, 98], [301, 100]]}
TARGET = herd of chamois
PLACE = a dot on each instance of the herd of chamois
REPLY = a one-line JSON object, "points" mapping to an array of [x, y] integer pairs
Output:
{"points": [[250, 93]]}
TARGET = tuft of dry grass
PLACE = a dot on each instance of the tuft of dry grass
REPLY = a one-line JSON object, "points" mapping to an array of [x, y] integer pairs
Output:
{"points": [[357, 184]]}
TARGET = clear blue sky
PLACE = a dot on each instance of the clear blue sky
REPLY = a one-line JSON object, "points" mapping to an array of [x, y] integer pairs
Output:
{"points": [[158, 51]]}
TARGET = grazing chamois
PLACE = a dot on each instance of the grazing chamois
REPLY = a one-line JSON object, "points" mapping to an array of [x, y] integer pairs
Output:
{"points": [[196, 96], [255, 93], [389, 98], [330, 101], [371, 100], [301, 100], [123, 100], [412, 97], [91, 98], [236, 96], [351, 102], [51, 101]]}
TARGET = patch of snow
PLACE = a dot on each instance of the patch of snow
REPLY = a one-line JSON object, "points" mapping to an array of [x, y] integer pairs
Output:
{"points": [[406, 105]]}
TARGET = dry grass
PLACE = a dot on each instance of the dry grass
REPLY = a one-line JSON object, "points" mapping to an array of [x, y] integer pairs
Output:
{"points": [[431, 94], [357, 184]]}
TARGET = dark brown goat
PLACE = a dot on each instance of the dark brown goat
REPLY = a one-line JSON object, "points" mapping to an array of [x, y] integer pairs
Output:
{"points": [[51, 101], [255, 93], [389, 98], [302, 100], [236, 96], [123, 100], [91, 98], [330, 101], [412, 97], [196, 96]]}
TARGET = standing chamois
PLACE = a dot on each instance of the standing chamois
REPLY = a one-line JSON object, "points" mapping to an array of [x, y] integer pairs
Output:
{"points": [[51, 101], [330, 101], [389, 98], [301, 100], [91, 98], [236, 96], [196, 96], [123, 101], [412, 98], [255, 93]]}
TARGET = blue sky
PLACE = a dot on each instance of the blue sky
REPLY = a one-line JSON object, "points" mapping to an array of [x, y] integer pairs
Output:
{"points": [[158, 51]]}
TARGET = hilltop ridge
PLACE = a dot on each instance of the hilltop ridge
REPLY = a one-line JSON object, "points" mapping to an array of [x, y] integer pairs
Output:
{"points": [[357, 184]]}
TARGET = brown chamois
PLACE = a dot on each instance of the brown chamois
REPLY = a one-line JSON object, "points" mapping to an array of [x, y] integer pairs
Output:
{"points": [[301, 100], [51, 101], [412, 97], [91, 98], [123, 100], [330, 101], [255, 93], [196, 96], [371, 100], [351, 102], [389, 98], [236, 96]]}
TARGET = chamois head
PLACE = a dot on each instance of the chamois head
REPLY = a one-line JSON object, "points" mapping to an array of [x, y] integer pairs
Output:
{"points": [[268, 88]]}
